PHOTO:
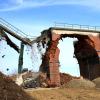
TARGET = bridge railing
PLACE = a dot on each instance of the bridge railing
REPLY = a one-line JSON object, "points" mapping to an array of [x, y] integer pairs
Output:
{"points": [[77, 26], [12, 28]]}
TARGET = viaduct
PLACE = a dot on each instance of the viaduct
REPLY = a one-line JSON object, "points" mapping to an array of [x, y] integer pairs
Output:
{"points": [[86, 49]]}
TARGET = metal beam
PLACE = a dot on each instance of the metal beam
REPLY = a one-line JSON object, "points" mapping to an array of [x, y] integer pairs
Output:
{"points": [[20, 63]]}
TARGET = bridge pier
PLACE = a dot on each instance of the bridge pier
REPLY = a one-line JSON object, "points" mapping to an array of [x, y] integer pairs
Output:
{"points": [[50, 61], [86, 52]]}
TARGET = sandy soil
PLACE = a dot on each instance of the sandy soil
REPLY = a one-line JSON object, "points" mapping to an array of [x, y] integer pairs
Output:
{"points": [[64, 94]]}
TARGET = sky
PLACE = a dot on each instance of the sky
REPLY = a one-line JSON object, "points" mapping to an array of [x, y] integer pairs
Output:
{"points": [[33, 16]]}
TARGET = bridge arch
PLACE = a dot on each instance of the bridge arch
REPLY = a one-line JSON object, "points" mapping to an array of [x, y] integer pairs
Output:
{"points": [[86, 51]]}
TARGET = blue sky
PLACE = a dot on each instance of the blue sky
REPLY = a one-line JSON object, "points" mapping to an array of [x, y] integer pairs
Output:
{"points": [[33, 16]]}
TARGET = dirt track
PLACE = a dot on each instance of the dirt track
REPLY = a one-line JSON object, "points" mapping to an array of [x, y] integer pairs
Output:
{"points": [[65, 94]]}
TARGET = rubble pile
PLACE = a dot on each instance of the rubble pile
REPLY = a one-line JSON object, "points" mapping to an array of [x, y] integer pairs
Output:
{"points": [[34, 80], [65, 78], [11, 91]]}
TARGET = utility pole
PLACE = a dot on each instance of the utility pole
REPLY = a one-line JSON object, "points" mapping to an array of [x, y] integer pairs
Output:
{"points": [[20, 62]]}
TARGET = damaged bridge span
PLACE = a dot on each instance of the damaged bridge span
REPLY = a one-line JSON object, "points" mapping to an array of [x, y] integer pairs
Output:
{"points": [[86, 50], [7, 28]]}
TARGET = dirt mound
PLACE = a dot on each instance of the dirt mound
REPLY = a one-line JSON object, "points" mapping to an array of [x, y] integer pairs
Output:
{"points": [[79, 83], [97, 82], [65, 78], [10, 91]]}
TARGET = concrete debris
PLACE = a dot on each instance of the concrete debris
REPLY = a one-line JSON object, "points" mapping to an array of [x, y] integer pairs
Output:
{"points": [[65, 78], [30, 80], [3, 56], [30, 83], [34, 80], [19, 80]]}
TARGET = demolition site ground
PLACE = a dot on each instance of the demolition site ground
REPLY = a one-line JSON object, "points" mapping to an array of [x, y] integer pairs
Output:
{"points": [[72, 89], [65, 94]]}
